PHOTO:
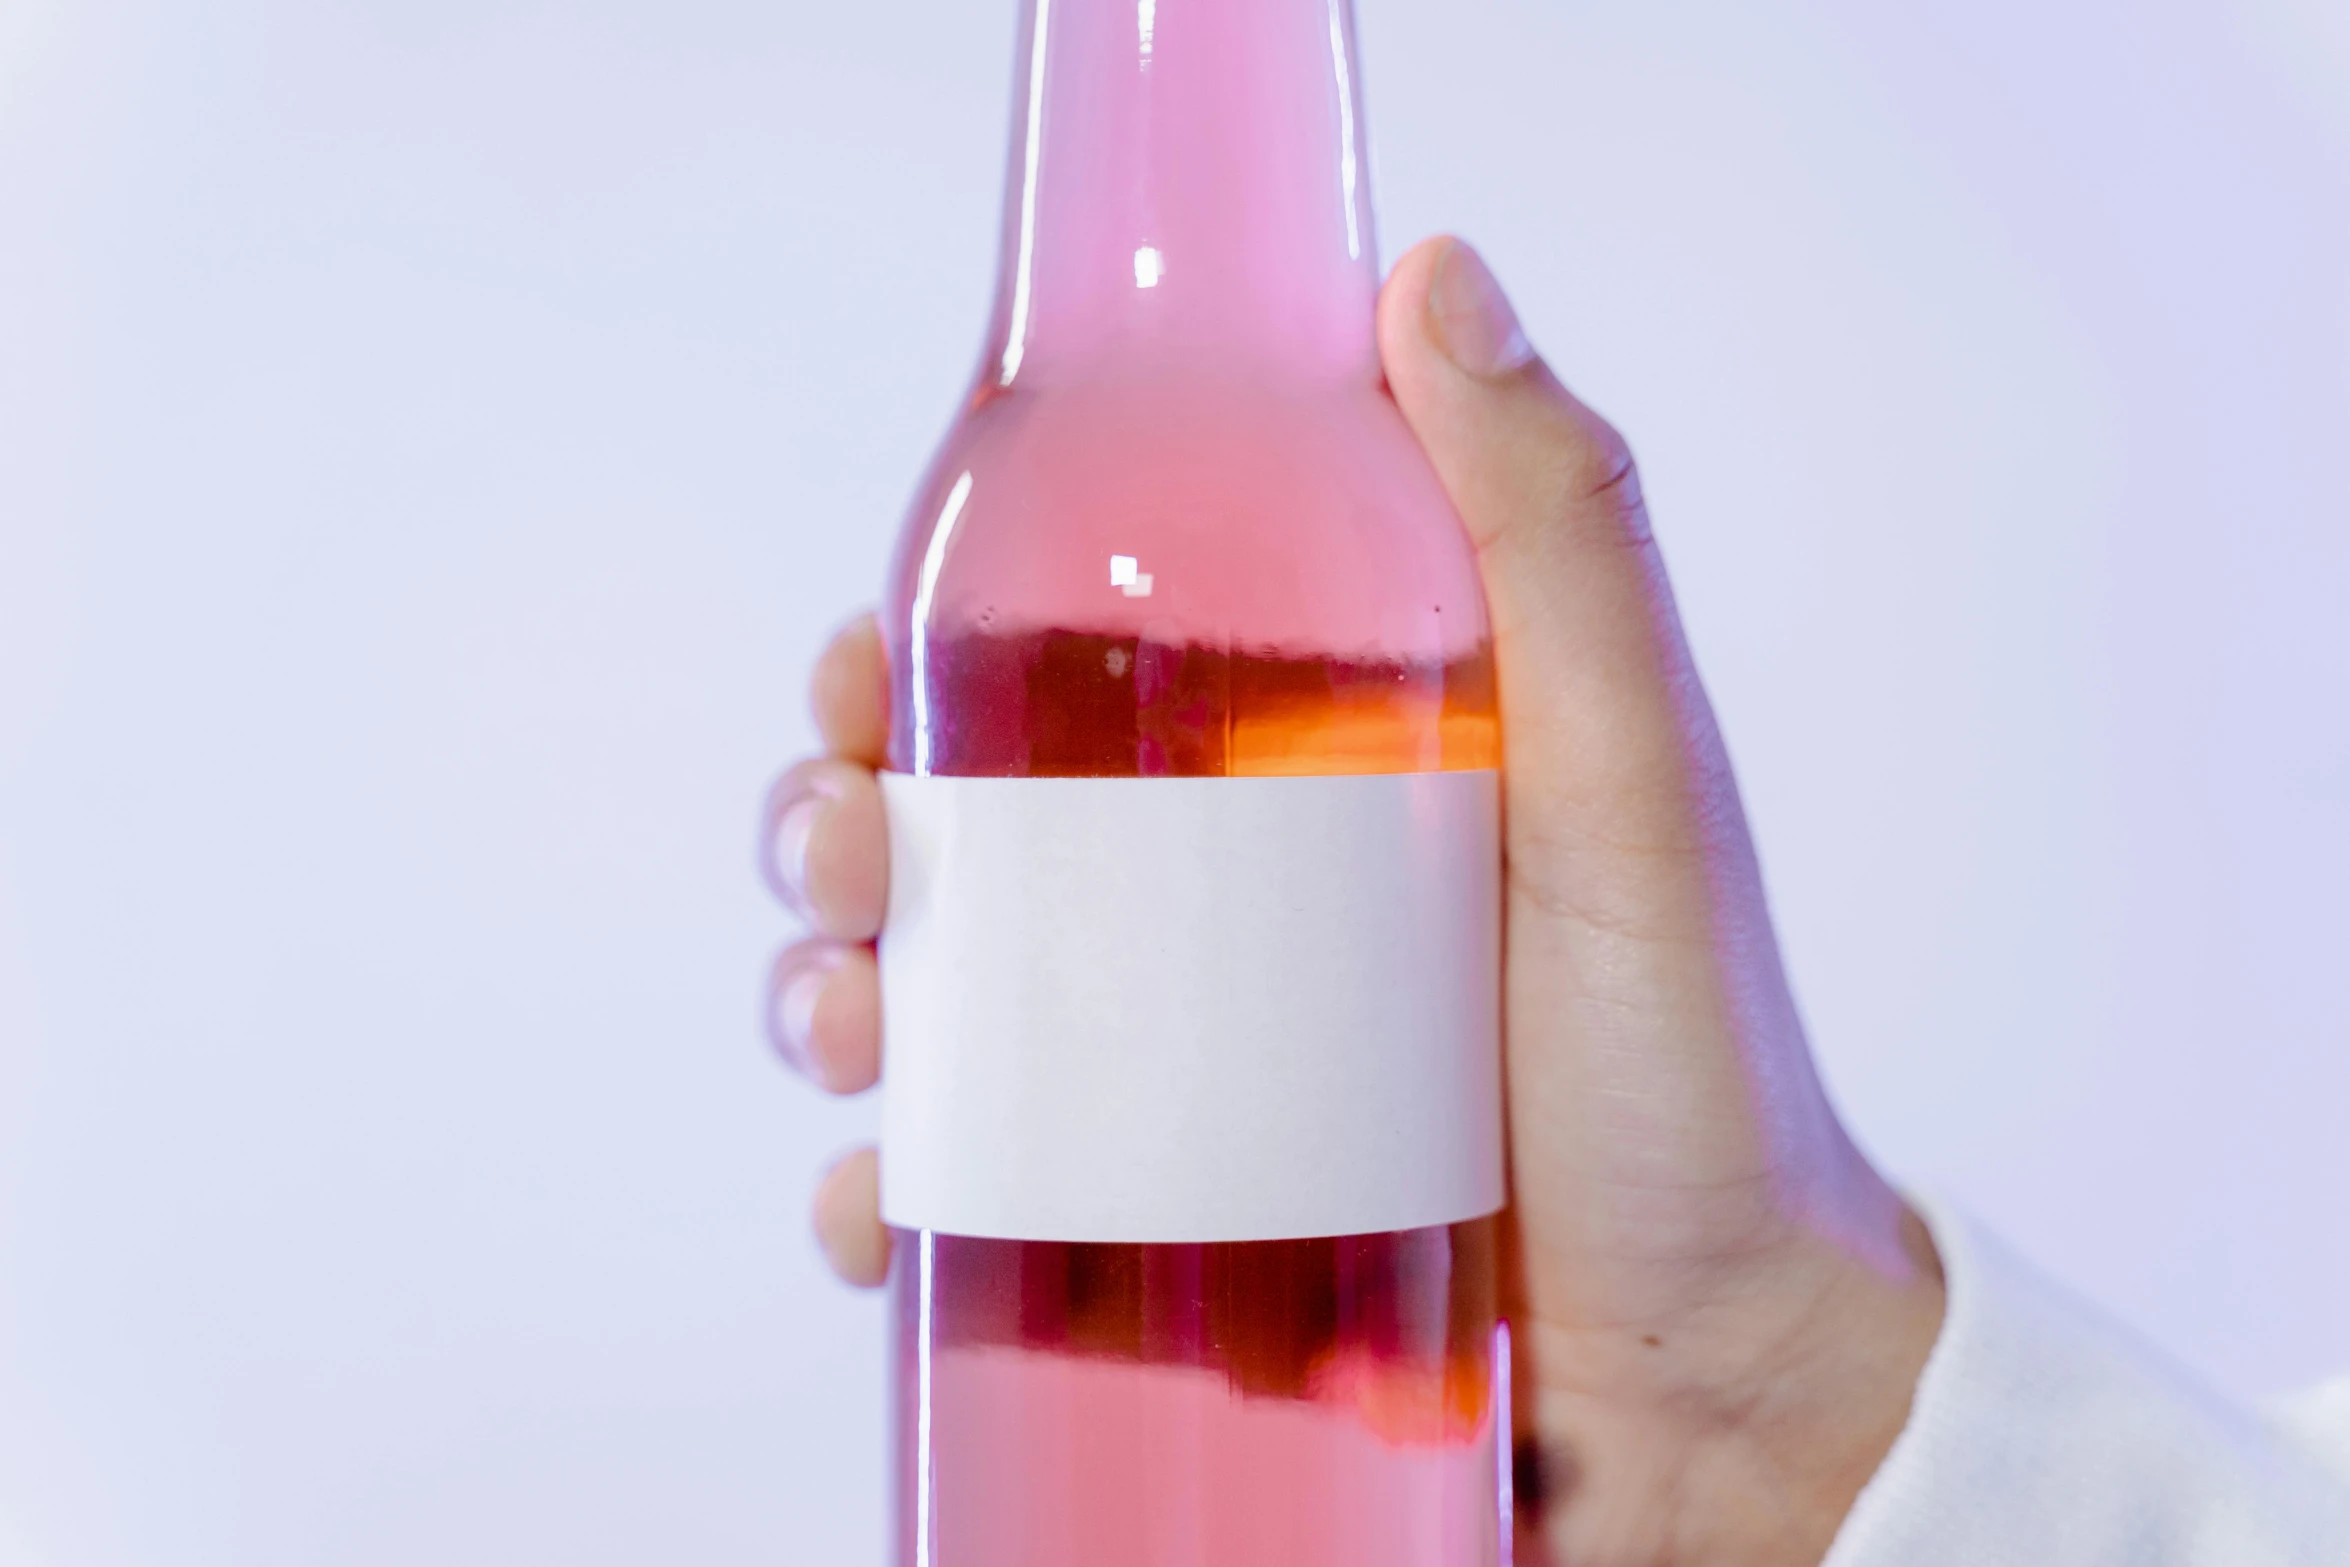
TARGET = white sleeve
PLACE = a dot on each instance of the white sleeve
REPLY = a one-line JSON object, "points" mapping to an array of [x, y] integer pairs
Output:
{"points": [[2041, 1434]]}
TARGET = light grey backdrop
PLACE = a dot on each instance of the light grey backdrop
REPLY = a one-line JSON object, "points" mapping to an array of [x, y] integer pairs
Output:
{"points": [[435, 435]]}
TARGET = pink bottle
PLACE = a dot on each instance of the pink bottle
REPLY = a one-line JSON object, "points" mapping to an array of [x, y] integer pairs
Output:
{"points": [[1191, 1139]]}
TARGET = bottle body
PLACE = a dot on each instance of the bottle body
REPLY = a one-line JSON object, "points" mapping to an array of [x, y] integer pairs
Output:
{"points": [[1310, 610], [1160, 547]]}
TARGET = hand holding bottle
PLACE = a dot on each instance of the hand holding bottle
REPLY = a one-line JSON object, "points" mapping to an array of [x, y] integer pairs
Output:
{"points": [[1720, 1309]]}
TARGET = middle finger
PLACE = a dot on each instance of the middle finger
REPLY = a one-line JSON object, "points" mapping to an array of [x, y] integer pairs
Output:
{"points": [[825, 847]]}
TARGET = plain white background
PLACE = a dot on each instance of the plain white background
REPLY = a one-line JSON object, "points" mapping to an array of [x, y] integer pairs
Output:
{"points": [[435, 436]]}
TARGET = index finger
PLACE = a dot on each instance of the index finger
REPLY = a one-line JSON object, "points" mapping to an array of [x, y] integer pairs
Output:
{"points": [[850, 692]]}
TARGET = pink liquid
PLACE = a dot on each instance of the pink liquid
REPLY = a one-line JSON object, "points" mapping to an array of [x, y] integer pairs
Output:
{"points": [[1062, 1460], [1179, 529], [1293, 1402]]}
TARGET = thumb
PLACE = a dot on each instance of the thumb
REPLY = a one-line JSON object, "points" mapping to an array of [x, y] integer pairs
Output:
{"points": [[1610, 745], [1678, 1177], [1653, 1043]]}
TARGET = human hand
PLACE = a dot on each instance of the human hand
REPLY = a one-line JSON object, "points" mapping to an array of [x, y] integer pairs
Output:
{"points": [[1719, 1308]]}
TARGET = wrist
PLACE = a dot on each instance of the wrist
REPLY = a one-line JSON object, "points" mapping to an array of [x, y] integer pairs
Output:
{"points": [[1741, 1433]]}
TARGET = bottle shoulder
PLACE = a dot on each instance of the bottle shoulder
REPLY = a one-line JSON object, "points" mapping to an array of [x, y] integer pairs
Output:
{"points": [[1228, 510]]}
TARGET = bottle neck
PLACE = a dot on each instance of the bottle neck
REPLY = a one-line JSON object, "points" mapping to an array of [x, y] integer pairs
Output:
{"points": [[1188, 186]]}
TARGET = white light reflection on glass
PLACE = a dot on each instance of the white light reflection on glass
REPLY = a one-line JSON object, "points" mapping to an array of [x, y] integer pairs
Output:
{"points": [[1146, 19], [1148, 267], [1346, 129], [934, 558], [1504, 1449], [1017, 344], [922, 1464], [1128, 577]]}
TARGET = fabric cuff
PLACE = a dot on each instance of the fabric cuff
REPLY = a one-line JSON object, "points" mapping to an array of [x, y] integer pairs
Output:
{"points": [[2041, 1433]]}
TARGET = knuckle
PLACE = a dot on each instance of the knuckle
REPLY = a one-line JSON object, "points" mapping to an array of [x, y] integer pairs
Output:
{"points": [[1599, 486], [1581, 492]]}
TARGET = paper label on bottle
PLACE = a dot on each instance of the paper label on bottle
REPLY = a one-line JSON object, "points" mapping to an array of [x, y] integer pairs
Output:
{"points": [[1191, 1009]]}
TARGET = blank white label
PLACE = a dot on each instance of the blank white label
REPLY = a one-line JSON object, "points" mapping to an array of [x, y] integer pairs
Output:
{"points": [[1191, 1009]]}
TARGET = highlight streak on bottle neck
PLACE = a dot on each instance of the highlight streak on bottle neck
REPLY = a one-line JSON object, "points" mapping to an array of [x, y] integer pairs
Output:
{"points": [[925, 594], [1186, 183]]}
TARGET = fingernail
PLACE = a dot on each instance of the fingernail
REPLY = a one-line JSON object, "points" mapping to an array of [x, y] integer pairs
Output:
{"points": [[791, 1012], [1472, 319], [791, 820]]}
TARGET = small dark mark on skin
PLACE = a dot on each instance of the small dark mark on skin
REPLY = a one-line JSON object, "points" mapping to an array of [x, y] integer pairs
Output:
{"points": [[1651, 1340], [1540, 1478], [1526, 1478]]}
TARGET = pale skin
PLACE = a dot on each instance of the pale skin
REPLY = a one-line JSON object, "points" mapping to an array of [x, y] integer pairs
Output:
{"points": [[1721, 1307]]}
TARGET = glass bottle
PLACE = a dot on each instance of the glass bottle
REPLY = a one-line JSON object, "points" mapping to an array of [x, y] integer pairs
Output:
{"points": [[1178, 548]]}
